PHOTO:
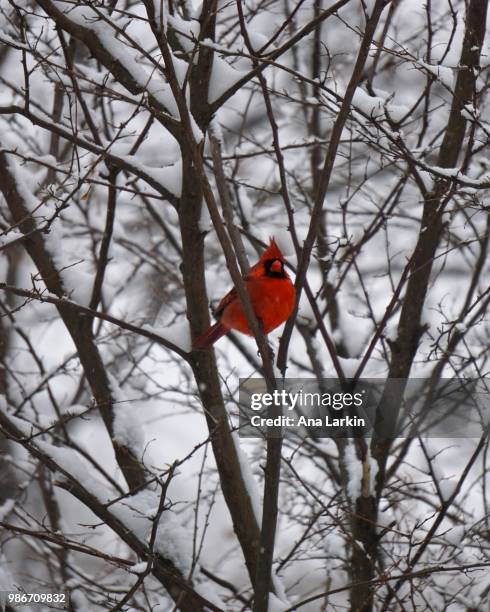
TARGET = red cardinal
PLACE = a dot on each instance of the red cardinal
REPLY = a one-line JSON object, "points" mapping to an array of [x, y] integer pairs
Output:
{"points": [[272, 295]]}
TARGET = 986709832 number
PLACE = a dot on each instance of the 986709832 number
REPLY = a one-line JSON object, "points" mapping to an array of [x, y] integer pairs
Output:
{"points": [[58, 600]]}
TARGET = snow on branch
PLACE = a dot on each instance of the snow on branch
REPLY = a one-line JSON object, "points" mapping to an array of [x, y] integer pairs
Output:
{"points": [[83, 22]]}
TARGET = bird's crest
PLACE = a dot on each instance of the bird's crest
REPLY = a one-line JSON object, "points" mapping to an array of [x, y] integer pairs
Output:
{"points": [[272, 251]]}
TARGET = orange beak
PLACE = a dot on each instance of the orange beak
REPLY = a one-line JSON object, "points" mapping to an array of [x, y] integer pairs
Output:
{"points": [[276, 266]]}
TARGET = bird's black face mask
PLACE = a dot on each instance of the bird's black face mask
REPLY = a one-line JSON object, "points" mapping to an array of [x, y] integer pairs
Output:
{"points": [[274, 268]]}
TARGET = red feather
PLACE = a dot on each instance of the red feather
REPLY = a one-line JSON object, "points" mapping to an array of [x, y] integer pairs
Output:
{"points": [[272, 295], [210, 336]]}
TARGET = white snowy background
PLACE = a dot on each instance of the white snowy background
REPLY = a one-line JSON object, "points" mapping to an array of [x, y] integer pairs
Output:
{"points": [[405, 95]]}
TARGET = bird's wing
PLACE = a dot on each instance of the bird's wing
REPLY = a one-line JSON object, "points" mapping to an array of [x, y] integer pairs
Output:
{"points": [[231, 296]]}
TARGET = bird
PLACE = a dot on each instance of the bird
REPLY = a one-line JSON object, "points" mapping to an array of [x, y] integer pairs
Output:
{"points": [[272, 295]]}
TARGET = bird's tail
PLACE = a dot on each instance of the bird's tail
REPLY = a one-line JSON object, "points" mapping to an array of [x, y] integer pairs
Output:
{"points": [[209, 337]]}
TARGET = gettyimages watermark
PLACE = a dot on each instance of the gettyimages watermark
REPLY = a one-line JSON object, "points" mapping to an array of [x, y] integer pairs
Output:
{"points": [[395, 408]]}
